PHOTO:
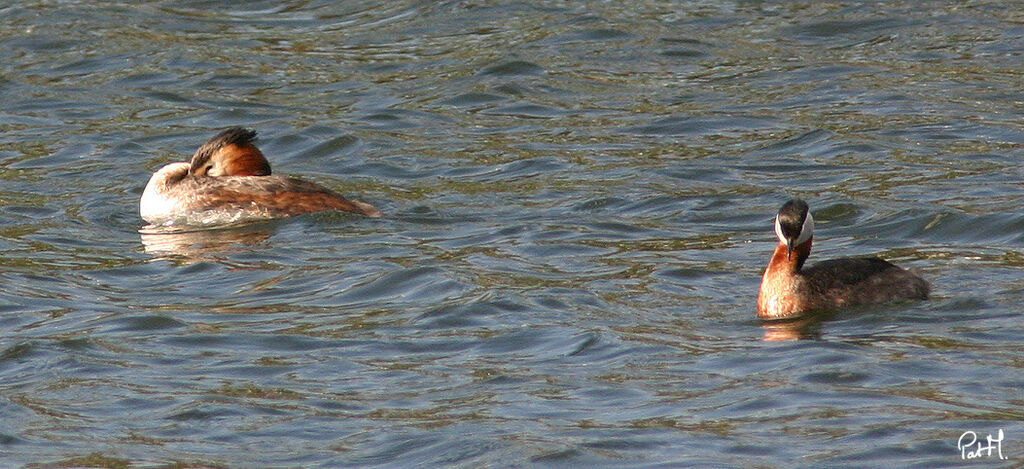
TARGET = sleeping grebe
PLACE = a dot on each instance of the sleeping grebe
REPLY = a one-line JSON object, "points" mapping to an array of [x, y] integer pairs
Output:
{"points": [[227, 181], [788, 291]]}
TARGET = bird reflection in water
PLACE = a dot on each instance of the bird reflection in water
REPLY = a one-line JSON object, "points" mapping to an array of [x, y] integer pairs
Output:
{"points": [[803, 327], [203, 244]]}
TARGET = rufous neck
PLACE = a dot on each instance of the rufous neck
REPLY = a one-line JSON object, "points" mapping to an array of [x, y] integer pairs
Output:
{"points": [[245, 160], [786, 261]]}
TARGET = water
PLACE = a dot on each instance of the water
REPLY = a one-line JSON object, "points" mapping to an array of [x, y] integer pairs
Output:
{"points": [[578, 201]]}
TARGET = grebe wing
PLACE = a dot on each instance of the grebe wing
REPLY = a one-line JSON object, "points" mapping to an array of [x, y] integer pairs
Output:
{"points": [[865, 280], [849, 269], [275, 195]]}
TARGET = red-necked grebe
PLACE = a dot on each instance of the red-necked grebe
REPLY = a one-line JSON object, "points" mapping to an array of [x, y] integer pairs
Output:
{"points": [[789, 290], [228, 181]]}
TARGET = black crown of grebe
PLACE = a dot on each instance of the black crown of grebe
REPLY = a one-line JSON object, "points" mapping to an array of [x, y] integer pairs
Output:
{"points": [[229, 181], [789, 290]]}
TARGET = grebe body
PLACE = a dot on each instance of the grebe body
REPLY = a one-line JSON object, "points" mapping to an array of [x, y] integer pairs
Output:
{"points": [[789, 290], [229, 180]]}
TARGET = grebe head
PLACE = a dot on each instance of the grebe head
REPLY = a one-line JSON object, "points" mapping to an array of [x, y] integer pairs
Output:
{"points": [[230, 153], [794, 224]]}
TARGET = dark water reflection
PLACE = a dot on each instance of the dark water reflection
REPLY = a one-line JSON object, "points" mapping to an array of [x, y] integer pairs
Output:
{"points": [[578, 201]]}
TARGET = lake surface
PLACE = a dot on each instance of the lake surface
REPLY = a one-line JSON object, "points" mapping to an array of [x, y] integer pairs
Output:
{"points": [[578, 203]]}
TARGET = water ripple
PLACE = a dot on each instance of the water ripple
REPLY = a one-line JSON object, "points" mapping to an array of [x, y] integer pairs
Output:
{"points": [[579, 201]]}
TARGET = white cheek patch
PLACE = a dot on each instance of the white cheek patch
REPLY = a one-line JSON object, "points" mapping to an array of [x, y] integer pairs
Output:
{"points": [[806, 231], [778, 231], [216, 170]]}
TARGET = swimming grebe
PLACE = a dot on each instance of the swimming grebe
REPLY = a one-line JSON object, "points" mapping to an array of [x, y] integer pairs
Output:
{"points": [[229, 180], [788, 290]]}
